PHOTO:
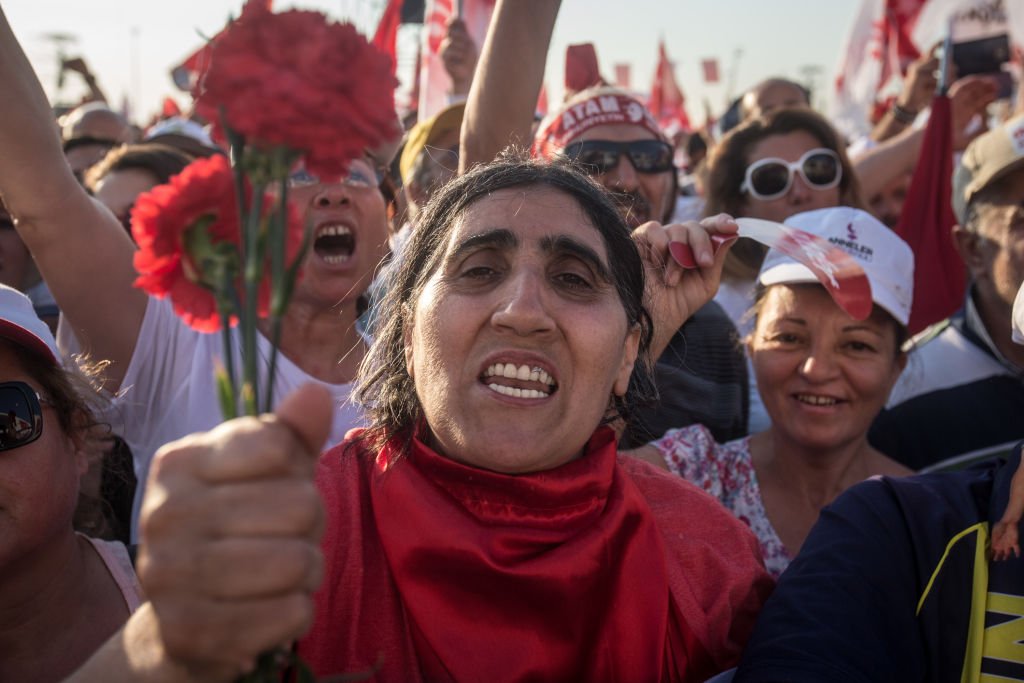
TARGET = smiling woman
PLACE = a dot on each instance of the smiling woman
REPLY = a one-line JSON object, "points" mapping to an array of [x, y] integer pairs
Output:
{"points": [[823, 375], [484, 527]]}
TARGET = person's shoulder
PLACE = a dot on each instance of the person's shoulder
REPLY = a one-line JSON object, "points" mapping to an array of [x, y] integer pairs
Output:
{"points": [[344, 462], [942, 357], [685, 511]]}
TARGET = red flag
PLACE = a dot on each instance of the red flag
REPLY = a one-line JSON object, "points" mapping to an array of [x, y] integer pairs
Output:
{"points": [[581, 69], [387, 31], [710, 67], [926, 224], [622, 76], [170, 108], [185, 74], [667, 103], [542, 101], [709, 117], [434, 81], [878, 48]]}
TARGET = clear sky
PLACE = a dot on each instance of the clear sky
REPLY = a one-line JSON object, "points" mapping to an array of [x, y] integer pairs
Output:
{"points": [[132, 44]]}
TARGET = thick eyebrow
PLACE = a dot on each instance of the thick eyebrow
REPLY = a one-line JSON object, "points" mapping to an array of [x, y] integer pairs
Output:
{"points": [[560, 244], [500, 238]]}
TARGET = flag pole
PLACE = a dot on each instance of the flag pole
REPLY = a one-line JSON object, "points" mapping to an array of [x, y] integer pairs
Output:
{"points": [[947, 56]]}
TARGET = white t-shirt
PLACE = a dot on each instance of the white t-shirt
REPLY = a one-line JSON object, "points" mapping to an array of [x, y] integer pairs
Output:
{"points": [[169, 389]]}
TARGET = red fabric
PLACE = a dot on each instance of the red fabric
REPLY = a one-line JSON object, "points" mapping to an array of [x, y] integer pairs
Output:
{"points": [[926, 224], [603, 569], [667, 102], [387, 31], [542, 100], [710, 67], [169, 108], [622, 76], [581, 69]]}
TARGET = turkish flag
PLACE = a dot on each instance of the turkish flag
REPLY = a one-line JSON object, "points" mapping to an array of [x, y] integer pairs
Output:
{"points": [[387, 30], [542, 101], [185, 74], [622, 76], [666, 102], [710, 67], [926, 224], [434, 82], [169, 108], [581, 70]]}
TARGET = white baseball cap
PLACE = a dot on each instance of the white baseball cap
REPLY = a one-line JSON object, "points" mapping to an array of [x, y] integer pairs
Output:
{"points": [[20, 324], [886, 259]]}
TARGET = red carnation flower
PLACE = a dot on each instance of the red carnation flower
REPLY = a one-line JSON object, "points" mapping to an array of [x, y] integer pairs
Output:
{"points": [[296, 80], [201, 197]]}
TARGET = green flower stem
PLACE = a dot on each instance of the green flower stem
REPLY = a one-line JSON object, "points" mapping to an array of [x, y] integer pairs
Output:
{"points": [[254, 245], [278, 230], [228, 399]]}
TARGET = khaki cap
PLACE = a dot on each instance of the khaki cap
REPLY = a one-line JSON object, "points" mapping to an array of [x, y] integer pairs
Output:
{"points": [[427, 132], [986, 160]]}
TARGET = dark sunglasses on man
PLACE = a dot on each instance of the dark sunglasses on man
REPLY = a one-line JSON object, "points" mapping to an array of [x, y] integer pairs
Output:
{"points": [[771, 177], [21, 415], [601, 156]]}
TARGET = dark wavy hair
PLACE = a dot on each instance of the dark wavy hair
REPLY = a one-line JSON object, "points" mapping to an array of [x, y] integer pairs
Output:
{"points": [[728, 163], [384, 388]]}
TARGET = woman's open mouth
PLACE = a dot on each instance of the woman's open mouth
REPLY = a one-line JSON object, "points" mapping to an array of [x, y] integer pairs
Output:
{"points": [[519, 381], [334, 243]]}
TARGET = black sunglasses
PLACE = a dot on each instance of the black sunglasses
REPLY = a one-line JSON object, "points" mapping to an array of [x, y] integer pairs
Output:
{"points": [[647, 156], [21, 415]]}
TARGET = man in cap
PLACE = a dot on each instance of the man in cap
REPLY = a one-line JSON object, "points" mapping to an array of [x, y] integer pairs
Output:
{"points": [[701, 376], [962, 394], [89, 132], [430, 156]]}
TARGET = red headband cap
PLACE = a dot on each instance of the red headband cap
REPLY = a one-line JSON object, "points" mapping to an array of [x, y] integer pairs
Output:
{"points": [[595, 107]]}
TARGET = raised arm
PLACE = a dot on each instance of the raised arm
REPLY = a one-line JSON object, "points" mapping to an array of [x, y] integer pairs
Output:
{"points": [[81, 249], [503, 97]]}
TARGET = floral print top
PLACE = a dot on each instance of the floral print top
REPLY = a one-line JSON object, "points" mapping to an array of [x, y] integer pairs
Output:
{"points": [[727, 473]]}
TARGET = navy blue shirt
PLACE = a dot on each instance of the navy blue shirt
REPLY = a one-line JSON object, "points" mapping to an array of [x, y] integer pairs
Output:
{"points": [[894, 584]]}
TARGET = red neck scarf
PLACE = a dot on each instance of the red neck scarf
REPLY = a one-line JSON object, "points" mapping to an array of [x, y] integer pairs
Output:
{"points": [[556, 575]]}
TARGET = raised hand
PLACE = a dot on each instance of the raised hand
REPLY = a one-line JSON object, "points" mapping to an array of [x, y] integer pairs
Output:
{"points": [[675, 293]]}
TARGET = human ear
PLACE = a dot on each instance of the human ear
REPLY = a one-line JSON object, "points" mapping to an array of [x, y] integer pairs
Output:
{"points": [[968, 244], [630, 351]]}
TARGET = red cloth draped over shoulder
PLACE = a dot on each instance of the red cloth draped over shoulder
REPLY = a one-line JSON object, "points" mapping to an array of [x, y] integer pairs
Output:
{"points": [[603, 569]]}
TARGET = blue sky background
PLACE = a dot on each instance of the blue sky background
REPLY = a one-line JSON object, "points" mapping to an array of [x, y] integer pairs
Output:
{"points": [[131, 44]]}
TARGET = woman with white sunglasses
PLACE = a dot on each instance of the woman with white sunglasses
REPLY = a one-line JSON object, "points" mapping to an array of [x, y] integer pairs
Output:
{"points": [[789, 161], [61, 594], [784, 163]]}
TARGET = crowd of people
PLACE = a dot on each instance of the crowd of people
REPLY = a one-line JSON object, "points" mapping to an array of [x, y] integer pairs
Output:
{"points": [[513, 437]]}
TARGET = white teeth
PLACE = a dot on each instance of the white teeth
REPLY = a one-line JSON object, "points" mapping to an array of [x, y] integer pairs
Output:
{"points": [[522, 372], [816, 400], [333, 230], [518, 393], [341, 258]]}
